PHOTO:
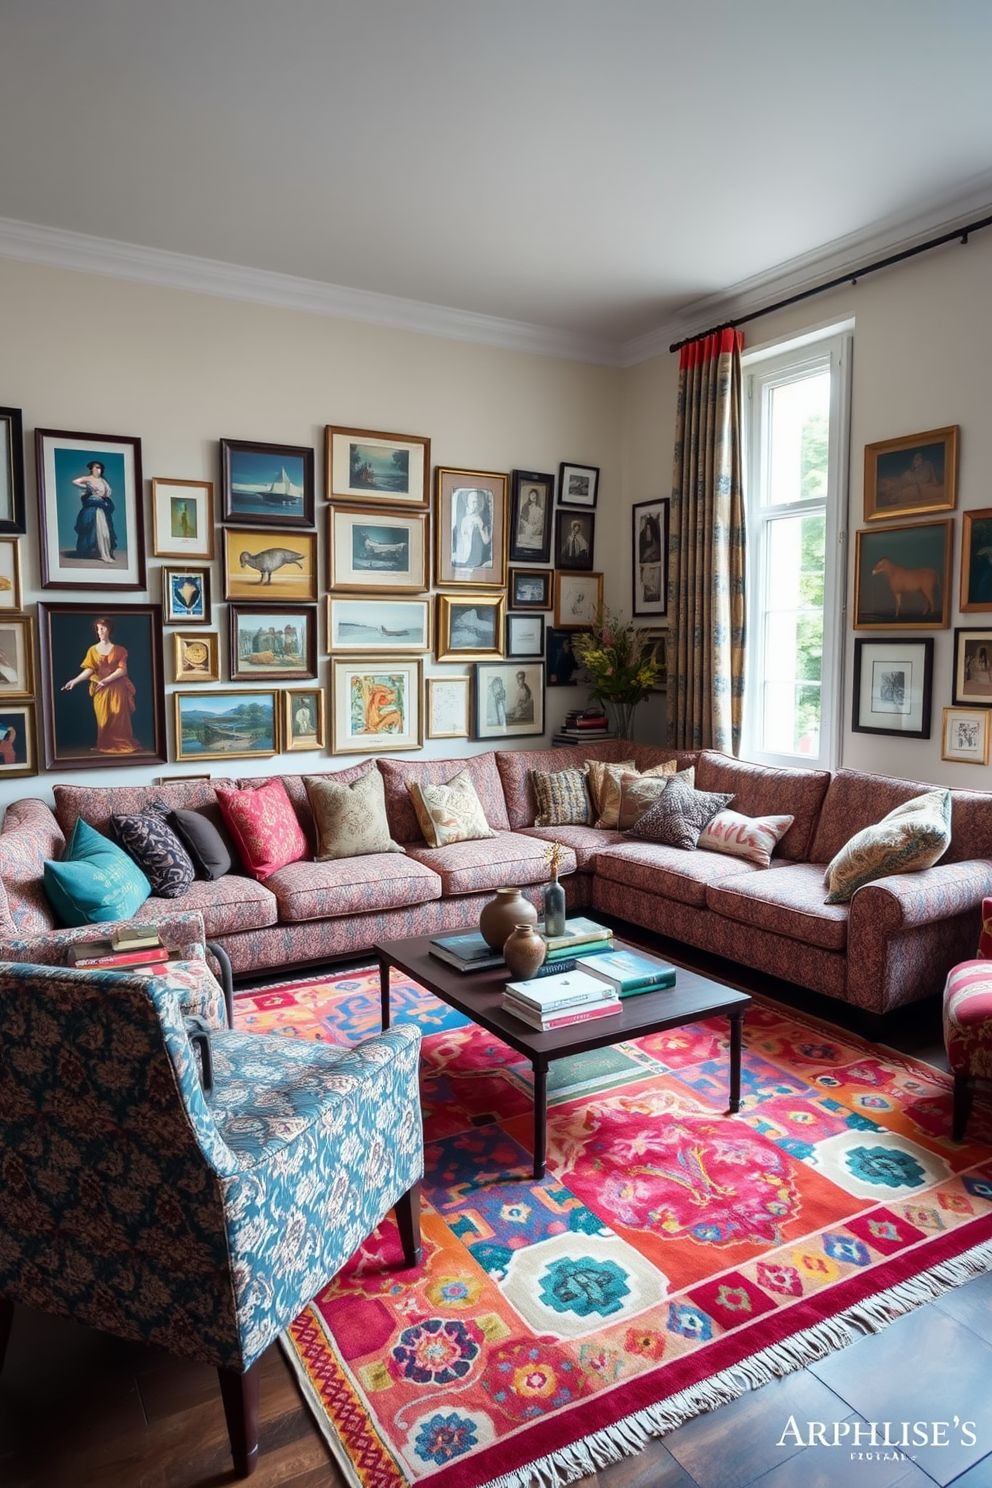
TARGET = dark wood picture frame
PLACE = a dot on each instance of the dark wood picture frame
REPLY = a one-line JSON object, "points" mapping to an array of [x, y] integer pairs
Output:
{"points": [[976, 561], [277, 622], [902, 577], [18, 740], [522, 592], [575, 533], [649, 554], [490, 703], [532, 502], [186, 594], [257, 490], [972, 685], [13, 507], [80, 508]]}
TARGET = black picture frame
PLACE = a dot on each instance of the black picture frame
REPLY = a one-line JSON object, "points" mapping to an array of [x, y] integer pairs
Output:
{"points": [[649, 556], [83, 730], [532, 501], [257, 488], [893, 686], [13, 510], [972, 666], [562, 665], [574, 540], [530, 588], [578, 485], [276, 655], [525, 636]]}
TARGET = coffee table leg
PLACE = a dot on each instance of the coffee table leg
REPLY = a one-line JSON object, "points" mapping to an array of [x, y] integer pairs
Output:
{"points": [[736, 1030], [384, 989], [540, 1119]]}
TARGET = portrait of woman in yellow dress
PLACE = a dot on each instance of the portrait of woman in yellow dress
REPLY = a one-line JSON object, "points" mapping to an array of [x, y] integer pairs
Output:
{"points": [[112, 692]]}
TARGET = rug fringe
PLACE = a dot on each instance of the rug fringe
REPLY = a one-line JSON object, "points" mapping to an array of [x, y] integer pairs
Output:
{"points": [[632, 1434]]}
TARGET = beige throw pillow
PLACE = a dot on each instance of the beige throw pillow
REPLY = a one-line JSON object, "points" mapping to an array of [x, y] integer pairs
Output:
{"points": [[449, 813], [350, 819], [910, 838], [597, 773], [638, 794], [609, 791]]}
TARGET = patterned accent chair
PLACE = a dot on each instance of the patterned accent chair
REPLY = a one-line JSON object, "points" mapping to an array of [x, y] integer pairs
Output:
{"points": [[137, 1202], [968, 1024]]}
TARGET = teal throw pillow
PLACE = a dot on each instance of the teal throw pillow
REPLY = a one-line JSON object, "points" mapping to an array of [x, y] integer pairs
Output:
{"points": [[95, 881]]}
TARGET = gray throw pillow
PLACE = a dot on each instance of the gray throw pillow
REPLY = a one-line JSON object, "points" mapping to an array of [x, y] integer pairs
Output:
{"points": [[679, 815], [205, 838]]}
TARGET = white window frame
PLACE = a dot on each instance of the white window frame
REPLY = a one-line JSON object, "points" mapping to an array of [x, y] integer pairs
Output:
{"points": [[764, 370]]}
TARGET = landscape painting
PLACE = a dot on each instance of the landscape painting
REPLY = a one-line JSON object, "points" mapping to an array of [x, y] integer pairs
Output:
{"points": [[378, 624], [224, 725], [273, 643], [378, 550], [364, 465]]}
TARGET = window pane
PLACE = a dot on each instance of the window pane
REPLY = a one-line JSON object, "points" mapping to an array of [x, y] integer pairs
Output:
{"points": [[798, 434], [793, 635]]}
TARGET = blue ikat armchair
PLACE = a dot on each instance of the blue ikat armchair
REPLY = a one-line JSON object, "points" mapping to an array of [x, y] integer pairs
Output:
{"points": [[201, 1221]]}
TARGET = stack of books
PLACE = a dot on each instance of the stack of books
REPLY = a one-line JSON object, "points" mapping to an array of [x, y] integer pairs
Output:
{"points": [[555, 1001], [588, 723], [130, 945], [466, 952], [629, 972], [581, 937]]}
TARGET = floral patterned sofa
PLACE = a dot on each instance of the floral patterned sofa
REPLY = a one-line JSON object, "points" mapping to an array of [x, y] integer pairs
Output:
{"points": [[892, 944]]}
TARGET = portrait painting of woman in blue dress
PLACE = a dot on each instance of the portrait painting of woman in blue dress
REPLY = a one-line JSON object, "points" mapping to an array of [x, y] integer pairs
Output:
{"points": [[94, 526], [90, 496]]}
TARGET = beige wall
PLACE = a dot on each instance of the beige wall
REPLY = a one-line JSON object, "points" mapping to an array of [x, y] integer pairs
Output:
{"points": [[182, 370], [921, 338]]}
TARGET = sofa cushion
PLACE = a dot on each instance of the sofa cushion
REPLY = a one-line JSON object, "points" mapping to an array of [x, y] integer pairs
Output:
{"points": [[449, 813], [763, 790], [94, 881], [150, 841], [205, 838], [585, 842], [611, 790], [475, 867], [297, 792], [264, 827], [786, 900], [29, 837], [347, 886], [856, 799], [679, 815], [638, 794], [750, 837], [515, 765], [909, 838], [96, 804], [597, 774], [482, 772], [228, 905], [350, 820], [561, 797], [668, 872]]}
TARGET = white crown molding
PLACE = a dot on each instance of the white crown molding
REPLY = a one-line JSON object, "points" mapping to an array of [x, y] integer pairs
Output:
{"points": [[831, 261], [71, 250]]}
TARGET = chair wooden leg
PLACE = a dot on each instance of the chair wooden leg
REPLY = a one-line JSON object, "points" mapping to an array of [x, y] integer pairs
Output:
{"points": [[240, 1395], [963, 1091], [407, 1210], [6, 1318]]}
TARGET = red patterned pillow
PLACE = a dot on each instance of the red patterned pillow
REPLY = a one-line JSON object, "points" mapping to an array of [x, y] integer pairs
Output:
{"points": [[264, 827]]}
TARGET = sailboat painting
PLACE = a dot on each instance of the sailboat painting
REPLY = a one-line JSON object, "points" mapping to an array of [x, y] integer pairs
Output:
{"points": [[267, 484]]}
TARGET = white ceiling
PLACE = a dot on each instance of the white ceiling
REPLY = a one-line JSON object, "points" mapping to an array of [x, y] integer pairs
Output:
{"points": [[587, 166]]}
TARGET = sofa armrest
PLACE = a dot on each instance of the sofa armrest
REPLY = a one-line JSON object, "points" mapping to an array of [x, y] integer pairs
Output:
{"points": [[907, 899], [180, 932]]}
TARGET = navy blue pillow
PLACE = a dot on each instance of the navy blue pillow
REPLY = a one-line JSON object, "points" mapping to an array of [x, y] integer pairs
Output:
{"points": [[156, 849]]}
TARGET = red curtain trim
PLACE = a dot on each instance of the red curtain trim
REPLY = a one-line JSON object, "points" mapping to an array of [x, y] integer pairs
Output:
{"points": [[719, 343]]}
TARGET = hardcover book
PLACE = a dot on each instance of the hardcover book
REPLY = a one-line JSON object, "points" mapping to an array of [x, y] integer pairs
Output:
{"points": [[629, 971]]}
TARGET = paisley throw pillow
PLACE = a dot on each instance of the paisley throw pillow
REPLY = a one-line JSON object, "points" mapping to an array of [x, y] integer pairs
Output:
{"points": [[158, 852], [263, 825], [350, 819]]}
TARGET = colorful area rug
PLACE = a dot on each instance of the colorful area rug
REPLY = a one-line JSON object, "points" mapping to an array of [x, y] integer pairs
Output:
{"points": [[672, 1258]]}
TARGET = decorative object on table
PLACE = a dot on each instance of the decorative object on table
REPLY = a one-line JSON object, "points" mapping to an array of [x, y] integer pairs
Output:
{"points": [[376, 704], [186, 596], [530, 588], [12, 504], [972, 667], [553, 893], [650, 553], [629, 972], [224, 725], [571, 997], [384, 469], [469, 627], [385, 551], [976, 560], [396, 626], [466, 952], [892, 685], [266, 485], [448, 707], [269, 567], [578, 485], [303, 725], [912, 475], [622, 665], [586, 723], [902, 577], [524, 951], [195, 657], [965, 736], [578, 600], [272, 643], [182, 518], [531, 507], [501, 916], [18, 740], [90, 510], [509, 699], [574, 539], [10, 573], [470, 528]]}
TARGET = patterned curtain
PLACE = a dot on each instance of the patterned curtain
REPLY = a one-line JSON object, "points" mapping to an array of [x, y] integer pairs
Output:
{"points": [[706, 550]]}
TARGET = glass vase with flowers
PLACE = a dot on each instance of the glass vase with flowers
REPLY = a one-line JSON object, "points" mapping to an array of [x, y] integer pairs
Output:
{"points": [[623, 664]]}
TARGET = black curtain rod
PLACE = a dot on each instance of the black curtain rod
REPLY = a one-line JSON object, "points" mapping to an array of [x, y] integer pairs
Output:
{"points": [[851, 277]]}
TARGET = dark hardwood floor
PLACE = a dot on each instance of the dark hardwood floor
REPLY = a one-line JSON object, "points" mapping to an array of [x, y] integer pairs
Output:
{"points": [[81, 1410]]}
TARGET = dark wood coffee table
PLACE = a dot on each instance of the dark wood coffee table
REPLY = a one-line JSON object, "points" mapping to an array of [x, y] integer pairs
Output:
{"points": [[479, 996]]}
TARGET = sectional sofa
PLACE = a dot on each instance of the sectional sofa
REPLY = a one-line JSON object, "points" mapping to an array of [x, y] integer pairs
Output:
{"points": [[892, 944]]}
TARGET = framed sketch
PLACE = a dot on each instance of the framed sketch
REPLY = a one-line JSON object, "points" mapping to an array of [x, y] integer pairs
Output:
{"points": [[272, 642], [182, 518], [266, 485], [381, 550], [972, 667], [892, 685], [10, 573], [12, 504], [470, 528], [902, 577], [509, 699], [965, 736], [393, 625], [375, 704], [186, 596], [649, 524], [578, 600], [532, 500], [304, 723], [578, 485], [90, 509], [469, 626], [448, 707], [911, 476], [385, 469], [225, 725], [270, 567], [102, 685], [562, 662], [18, 740], [196, 657], [16, 657], [525, 635], [530, 588], [574, 539], [976, 560]]}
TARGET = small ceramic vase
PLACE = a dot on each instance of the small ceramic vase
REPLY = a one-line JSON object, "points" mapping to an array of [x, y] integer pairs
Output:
{"points": [[524, 952], [503, 914]]}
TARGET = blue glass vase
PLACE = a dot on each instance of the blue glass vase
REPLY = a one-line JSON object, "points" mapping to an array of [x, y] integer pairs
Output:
{"points": [[554, 908]]}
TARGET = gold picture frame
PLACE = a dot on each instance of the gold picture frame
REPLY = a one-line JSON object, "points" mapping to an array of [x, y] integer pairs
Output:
{"points": [[196, 657], [964, 737], [267, 566], [182, 518], [10, 574], [911, 476], [470, 627], [304, 719], [470, 528], [376, 703], [449, 707], [385, 469], [234, 724], [382, 552]]}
